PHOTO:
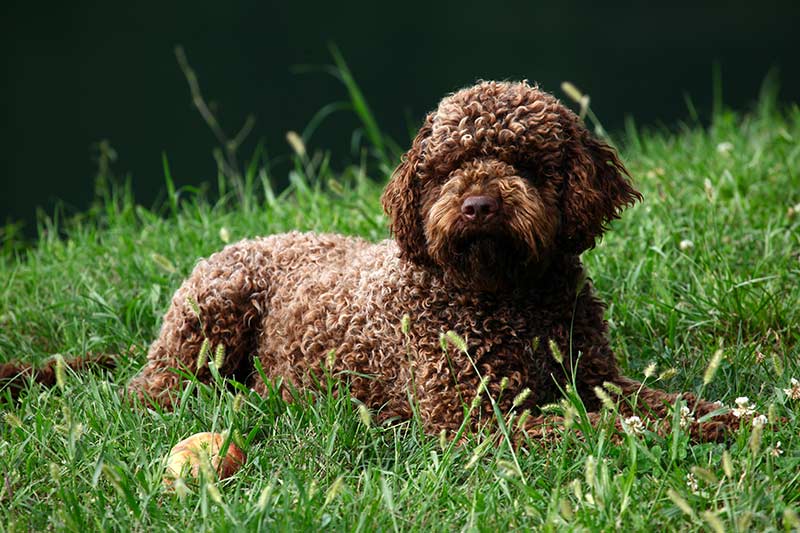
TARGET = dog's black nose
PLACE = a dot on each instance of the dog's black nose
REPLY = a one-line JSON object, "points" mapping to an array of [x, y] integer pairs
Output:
{"points": [[479, 208]]}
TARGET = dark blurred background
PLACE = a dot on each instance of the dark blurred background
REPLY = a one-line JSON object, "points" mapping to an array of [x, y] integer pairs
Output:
{"points": [[80, 72]]}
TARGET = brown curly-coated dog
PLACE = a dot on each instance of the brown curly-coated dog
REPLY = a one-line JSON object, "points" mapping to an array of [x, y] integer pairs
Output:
{"points": [[501, 191]]}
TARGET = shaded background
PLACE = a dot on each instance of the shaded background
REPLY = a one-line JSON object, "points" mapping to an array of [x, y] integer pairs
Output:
{"points": [[79, 72]]}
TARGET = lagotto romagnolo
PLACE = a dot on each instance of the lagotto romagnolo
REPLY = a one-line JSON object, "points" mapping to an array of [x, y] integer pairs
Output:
{"points": [[501, 191]]}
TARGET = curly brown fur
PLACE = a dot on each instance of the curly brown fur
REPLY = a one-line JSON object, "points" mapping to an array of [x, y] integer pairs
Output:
{"points": [[14, 375], [501, 191]]}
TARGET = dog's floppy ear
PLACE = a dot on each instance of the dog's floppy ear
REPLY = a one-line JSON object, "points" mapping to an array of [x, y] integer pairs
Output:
{"points": [[596, 189], [402, 198]]}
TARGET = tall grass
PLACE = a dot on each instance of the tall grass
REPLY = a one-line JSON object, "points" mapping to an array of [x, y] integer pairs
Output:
{"points": [[708, 264]]}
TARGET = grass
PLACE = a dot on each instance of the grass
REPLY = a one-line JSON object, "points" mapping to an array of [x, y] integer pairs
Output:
{"points": [[710, 261]]}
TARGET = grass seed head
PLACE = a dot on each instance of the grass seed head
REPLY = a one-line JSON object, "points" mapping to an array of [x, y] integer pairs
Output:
{"points": [[570, 413], [523, 417], [181, 490], [405, 324], [296, 142], [577, 489], [535, 344], [678, 500], [264, 497], [12, 420], [755, 438], [606, 400], [713, 521], [744, 520], [214, 494], [572, 92], [613, 388], [590, 470], [712, 367], [708, 187], [705, 474], [202, 357], [164, 263], [61, 374], [791, 522], [193, 305], [364, 415], [520, 398], [555, 351], [219, 356], [237, 402], [224, 235], [503, 383], [727, 464], [565, 508], [667, 374], [334, 490], [456, 340]]}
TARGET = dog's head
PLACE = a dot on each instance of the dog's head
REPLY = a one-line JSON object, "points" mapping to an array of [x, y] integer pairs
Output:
{"points": [[499, 178]]}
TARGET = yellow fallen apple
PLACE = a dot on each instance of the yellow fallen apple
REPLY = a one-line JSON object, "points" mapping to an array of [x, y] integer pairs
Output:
{"points": [[203, 449]]}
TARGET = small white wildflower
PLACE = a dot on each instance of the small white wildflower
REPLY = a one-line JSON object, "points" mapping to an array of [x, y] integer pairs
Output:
{"points": [[224, 235], [724, 147], [633, 425], [794, 391], [776, 450], [686, 244], [759, 420], [650, 370], [686, 417], [743, 407], [718, 404], [691, 482]]}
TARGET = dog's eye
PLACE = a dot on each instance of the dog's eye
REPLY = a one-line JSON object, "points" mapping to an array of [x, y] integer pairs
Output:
{"points": [[530, 176]]}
